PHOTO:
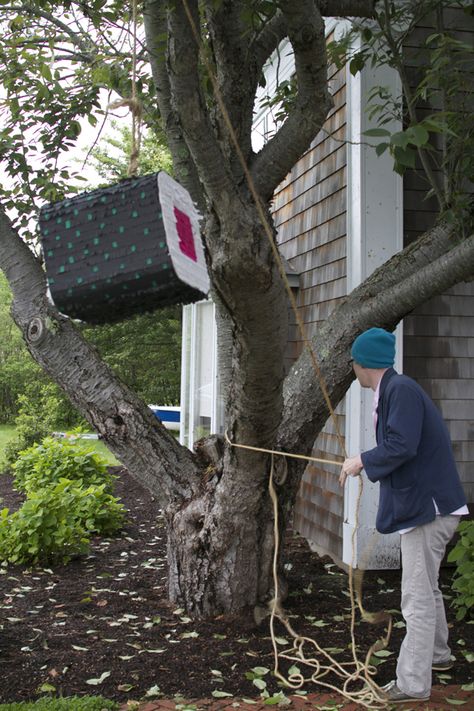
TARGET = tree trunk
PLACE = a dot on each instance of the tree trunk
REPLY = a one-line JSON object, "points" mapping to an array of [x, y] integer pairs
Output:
{"points": [[219, 550]]}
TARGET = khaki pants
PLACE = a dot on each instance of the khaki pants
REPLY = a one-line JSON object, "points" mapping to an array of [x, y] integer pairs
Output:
{"points": [[426, 639]]}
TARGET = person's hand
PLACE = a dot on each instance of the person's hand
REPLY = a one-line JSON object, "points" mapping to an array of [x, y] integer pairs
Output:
{"points": [[350, 467]]}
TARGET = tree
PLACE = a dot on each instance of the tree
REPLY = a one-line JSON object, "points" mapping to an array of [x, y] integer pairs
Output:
{"points": [[216, 504]]}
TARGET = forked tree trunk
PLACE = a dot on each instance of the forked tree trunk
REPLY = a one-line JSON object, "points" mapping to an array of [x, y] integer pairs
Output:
{"points": [[220, 546]]}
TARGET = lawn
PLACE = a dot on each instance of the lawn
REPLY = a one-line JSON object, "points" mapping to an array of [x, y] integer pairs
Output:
{"points": [[7, 432]]}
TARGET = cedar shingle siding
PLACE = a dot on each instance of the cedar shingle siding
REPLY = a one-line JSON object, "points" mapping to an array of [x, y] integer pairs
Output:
{"points": [[439, 335], [310, 214]]}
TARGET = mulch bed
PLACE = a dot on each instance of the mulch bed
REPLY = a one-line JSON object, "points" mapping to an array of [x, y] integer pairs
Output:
{"points": [[103, 625]]}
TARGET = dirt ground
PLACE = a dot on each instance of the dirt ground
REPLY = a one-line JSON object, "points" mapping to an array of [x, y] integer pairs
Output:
{"points": [[103, 625]]}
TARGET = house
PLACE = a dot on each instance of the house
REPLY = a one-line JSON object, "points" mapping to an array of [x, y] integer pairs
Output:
{"points": [[340, 213]]}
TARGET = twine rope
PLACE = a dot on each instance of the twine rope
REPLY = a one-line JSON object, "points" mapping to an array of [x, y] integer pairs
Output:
{"points": [[371, 696]]}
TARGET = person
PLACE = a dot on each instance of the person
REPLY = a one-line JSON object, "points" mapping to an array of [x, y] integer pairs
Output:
{"points": [[421, 497]]}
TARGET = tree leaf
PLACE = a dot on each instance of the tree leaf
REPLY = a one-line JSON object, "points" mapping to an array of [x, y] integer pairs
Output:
{"points": [[125, 687], [220, 694], [99, 680], [275, 699], [46, 688], [383, 653], [260, 671], [375, 132], [418, 135], [153, 691], [456, 702]]}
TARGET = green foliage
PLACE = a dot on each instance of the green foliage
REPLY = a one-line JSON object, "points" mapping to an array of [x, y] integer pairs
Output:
{"points": [[111, 157], [68, 499], [463, 555], [55, 62], [47, 527], [17, 368], [43, 409], [26, 392], [70, 703], [145, 352], [282, 100], [57, 459]]}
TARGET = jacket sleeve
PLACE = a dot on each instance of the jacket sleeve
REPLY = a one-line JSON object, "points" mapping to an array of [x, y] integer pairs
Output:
{"points": [[404, 412]]}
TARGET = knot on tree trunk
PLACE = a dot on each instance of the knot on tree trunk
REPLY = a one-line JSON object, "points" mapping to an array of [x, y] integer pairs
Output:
{"points": [[36, 330], [210, 453]]}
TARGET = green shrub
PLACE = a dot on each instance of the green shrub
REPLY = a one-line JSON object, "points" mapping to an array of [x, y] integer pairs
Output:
{"points": [[101, 512], [34, 422], [71, 703], [68, 500], [463, 555], [56, 459], [46, 527]]}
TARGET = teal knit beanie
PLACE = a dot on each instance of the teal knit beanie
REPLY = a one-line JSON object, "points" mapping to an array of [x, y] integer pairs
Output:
{"points": [[374, 348]]}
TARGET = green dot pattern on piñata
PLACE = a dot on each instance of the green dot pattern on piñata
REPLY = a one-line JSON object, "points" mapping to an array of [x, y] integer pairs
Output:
{"points": [[107, 257]]}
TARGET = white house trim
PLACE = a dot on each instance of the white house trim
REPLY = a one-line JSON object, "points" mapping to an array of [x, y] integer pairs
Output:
{"points": [[199, 343], [375, 233]]}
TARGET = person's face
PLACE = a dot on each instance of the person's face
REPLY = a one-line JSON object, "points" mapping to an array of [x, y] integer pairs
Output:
{"points": [[361, 374]]}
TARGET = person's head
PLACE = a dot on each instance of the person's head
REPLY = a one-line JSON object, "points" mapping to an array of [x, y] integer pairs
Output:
{"points": [[372, 353]]}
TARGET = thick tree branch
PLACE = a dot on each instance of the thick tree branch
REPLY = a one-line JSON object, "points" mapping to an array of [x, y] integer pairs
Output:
{"points": [[167, 469], [428, 267], [307, 36], [229, 42], [154, 17], [275, 30], [188, 102], [268, 39]]}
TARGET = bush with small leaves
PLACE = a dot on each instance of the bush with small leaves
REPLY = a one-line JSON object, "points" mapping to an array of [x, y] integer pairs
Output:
{"points": [[101, 512], [40, 410], [463, 555]]}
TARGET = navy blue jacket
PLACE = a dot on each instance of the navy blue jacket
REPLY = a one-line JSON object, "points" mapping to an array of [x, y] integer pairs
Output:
{"points": [[413, 459]]}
